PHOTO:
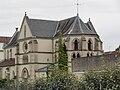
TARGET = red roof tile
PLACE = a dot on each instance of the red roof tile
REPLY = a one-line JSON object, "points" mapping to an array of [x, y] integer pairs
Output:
{"points": [[4, 39], [10, 62]]}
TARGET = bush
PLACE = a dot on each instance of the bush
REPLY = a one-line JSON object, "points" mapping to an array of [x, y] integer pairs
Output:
{"points": [[62, 80], [106, 79]]}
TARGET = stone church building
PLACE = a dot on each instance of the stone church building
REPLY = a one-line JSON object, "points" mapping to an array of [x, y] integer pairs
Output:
{"points": [[33, 46]]}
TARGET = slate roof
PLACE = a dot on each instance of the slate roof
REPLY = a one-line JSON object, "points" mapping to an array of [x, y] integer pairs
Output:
{"points": [[49, 28], [42, 28], [4, 39], [12, 41], [10, 62], [43, 69]]}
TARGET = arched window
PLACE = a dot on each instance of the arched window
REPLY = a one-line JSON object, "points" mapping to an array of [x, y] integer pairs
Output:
{"points": [[88, 54], [76, 45], [64, 47], [7, 73], [89, 44], [78, 55], [74, 56], [25, 74], [91, 54], [25, 46]]}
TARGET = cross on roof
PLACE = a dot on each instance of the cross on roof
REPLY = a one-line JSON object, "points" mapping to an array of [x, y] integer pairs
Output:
{"points": [[77, 4]]}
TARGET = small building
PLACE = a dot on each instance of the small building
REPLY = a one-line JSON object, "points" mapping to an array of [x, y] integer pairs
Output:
{"points": [[3, 40]]}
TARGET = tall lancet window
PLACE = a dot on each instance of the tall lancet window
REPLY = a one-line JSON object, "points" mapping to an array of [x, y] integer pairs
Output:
{"points": [[76, 45], [25, 31], [90, 45]]}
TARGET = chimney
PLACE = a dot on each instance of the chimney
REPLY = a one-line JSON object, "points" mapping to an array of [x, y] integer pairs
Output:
{"points": [[16, 29]]}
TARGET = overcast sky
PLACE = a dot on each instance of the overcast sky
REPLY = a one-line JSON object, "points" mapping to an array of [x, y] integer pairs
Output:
{"points": [[104, 14]]}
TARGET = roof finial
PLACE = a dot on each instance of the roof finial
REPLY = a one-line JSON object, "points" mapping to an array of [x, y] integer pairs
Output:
{"points": [[25, 13], [77, 4], [89, 19]]}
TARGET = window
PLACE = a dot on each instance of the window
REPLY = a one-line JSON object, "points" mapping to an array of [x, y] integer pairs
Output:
{"points": [[88, 54], [89, 44], [64, 47], [78, 55], [25, 75], [11, 53], [7, 54], [74, 55], [76, 45], [7, 73], [25, 59], [17, 48], [25, 46]]}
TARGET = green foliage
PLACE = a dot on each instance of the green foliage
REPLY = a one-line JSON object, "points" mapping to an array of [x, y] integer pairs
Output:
{"points": [[62, 55], [2, 82], [62, 80], [41, 84], [118, 48], [106, 79], [58, 80]]}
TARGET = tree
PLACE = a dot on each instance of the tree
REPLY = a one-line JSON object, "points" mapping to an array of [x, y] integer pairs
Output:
{"points": [[106, 79], [118, 48], [62, 55], [62, 80]]}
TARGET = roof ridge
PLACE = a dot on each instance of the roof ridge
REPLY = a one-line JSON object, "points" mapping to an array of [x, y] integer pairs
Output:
{"points": [[73, 25], [56, 29], [43, 20]]}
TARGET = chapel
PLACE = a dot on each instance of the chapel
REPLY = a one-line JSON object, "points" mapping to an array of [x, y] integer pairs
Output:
{"points": [[32, 47]]}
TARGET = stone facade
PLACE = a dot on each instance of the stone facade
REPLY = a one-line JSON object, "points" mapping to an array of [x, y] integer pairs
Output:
{"points": [[34, 46], [86, 64]]}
